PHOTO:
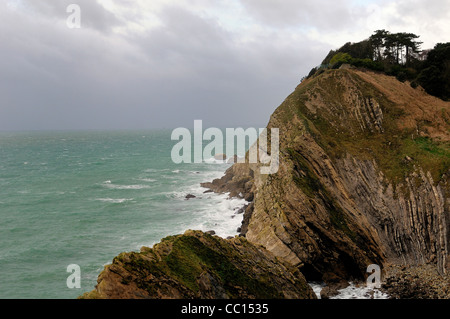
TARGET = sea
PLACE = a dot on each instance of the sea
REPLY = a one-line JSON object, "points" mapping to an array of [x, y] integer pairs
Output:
{"points": [[82, 198]]}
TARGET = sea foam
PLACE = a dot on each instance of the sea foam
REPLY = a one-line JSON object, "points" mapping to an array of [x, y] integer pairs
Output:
{"points": [[114, 200], [110, 185]]}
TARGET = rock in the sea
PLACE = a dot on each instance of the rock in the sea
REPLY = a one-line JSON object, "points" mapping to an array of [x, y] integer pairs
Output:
{"points": [[189, 196], [220, 157], [238, 179], [198, 265], [328, 292]]}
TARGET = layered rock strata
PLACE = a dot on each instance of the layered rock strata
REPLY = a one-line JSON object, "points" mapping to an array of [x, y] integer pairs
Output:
{"points": [[363, 179], [196, 265]]}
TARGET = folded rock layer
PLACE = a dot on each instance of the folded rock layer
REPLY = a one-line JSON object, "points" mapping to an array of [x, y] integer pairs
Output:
{"points": [[363, 178], [196, 265]]}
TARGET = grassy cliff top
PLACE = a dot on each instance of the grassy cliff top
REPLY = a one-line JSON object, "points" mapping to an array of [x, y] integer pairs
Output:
{"points": [[371, 116]]}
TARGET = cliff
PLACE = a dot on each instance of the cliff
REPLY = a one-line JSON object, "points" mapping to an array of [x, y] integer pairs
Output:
{"points": [[197, 265], [363, 179]]}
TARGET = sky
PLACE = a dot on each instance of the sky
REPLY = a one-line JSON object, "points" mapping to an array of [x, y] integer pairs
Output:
{"points": [[164, 63]]}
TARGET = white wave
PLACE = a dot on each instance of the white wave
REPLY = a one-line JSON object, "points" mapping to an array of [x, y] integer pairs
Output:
{"points": [[212, 160], [218, 212], [317, 287], [130, 186], [148, 180], [175, 194], [351, 292], [114, 201], [364, 292], [156, 170], [110, 185]]}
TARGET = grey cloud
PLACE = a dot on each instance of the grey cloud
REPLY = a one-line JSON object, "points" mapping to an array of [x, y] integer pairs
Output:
{"points": [[219, 78], [93, 14], [322, 14], [188, 68], [423, 10]]}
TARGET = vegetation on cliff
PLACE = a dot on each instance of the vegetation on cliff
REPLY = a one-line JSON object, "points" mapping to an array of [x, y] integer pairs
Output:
{"points": [[396, 146], [198, 265], [397, 54]]}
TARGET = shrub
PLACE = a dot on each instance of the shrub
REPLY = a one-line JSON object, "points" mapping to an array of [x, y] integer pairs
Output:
{"points": [[401, 76], [340, 58]]}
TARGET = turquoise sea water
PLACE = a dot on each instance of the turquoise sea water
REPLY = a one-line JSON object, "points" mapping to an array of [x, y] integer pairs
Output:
{"points": [[84, 197]]}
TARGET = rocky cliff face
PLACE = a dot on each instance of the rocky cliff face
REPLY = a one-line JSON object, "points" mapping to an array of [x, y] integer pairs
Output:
{"points": [[198, 265], [363, 179]]}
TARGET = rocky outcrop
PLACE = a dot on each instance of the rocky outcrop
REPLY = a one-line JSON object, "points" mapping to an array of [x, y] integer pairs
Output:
{"points": [[417, 282], [237, 181], [198, 265], [363, 178]]}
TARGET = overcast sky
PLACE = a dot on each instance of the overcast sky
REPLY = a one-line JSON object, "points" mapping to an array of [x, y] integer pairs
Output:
{"points": [[165, 63]]}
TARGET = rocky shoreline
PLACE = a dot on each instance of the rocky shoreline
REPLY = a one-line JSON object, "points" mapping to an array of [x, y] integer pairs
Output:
{"points": [[238, 182], [398, 282], [415, 282]]}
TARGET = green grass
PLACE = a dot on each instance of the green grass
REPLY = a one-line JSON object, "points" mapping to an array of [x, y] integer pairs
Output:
{"points": [[430, 155], [337, 137], [189, 258]]}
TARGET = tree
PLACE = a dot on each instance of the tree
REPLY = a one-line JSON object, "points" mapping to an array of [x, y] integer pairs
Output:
{"points": [[394, 48], [407, 40], [399, 55], [435, 77], [389, 49], [377, 43]]}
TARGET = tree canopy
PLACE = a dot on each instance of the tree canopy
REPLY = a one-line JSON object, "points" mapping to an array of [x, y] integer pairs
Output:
{"points": [[435, 75], [400, 55]]}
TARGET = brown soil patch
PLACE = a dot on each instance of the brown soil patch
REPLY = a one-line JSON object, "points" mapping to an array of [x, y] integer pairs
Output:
{"points": [[428, 115]]}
